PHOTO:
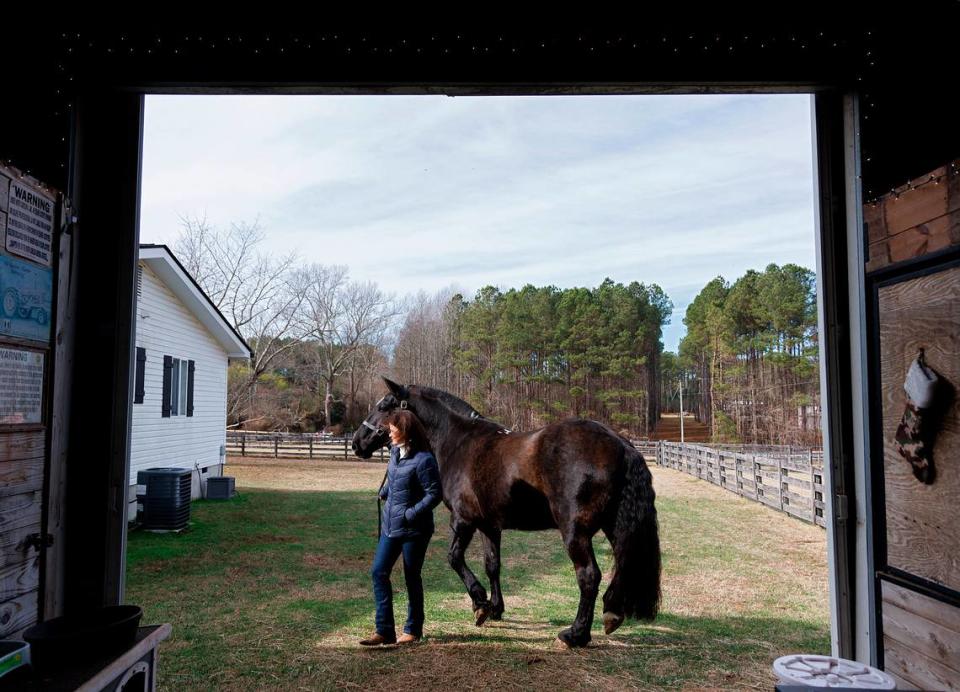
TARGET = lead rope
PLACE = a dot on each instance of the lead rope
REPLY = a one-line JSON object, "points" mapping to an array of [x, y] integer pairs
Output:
{"points": [[379, 513]]}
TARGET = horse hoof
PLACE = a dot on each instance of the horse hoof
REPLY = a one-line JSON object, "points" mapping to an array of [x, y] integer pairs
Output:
{"points": [[567, 638], [496, 615], [611, 621], [480, 616]]}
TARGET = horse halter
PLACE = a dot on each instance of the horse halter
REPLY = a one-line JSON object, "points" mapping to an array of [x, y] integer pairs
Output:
{"points": [[378, 429]]}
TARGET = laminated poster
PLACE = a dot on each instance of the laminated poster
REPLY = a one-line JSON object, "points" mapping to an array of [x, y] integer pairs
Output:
{"points": [[26, 296]]}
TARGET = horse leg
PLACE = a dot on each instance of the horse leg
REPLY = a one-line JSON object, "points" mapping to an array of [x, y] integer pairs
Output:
{"points": [[612, 610], [461, 535], [491, 562], [580, 549]]}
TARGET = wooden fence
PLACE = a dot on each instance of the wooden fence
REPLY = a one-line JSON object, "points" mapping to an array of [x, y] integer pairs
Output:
{"points": [[292, 445], [280, 445], [787, 479]]}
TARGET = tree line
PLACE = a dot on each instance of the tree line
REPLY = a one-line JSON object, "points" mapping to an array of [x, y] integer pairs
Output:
{"points": [[533, 355], [522, 356], [749, 360]]}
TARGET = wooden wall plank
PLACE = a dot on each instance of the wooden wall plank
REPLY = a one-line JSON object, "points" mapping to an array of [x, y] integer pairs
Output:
{"points": [[923, 536], [915, 668], [18, 614], [924, 606], [914, 222], [914, 207], [61, 397], [19, 510], [18, 477], [21, 445], [923, 635], [900, 682], [12, 543], [931, 236], [20, 579]]}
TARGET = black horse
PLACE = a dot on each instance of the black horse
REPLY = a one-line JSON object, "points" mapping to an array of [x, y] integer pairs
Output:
{"points": [[577, 476]]}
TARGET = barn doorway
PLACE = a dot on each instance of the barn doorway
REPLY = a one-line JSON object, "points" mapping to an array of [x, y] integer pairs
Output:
{"points": [[516, 298]]}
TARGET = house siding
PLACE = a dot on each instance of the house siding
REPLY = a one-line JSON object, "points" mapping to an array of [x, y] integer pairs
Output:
{"points": [[166, 327]]}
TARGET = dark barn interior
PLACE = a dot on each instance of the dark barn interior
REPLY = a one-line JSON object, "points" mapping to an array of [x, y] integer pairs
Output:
{"points": [[884, 129]]}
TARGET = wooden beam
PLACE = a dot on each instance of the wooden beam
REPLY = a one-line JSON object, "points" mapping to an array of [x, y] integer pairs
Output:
{"points": [[104, 186]]}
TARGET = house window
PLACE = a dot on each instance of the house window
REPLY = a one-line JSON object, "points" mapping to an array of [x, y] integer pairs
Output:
{"points": [[182, 407], [177, 386]]}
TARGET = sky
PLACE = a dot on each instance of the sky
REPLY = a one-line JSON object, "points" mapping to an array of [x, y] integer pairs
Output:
{"points": [[424, 192]]}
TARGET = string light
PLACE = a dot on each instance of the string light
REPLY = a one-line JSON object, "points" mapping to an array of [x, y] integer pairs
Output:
{"points": [[910, 185]]}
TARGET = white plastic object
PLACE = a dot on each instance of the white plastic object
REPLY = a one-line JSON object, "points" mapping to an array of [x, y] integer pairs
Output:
{"points": [[920, 385], [829, 671]]}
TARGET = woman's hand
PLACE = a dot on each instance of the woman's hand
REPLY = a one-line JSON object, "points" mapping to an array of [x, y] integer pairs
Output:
{"points": [[409, 515]]}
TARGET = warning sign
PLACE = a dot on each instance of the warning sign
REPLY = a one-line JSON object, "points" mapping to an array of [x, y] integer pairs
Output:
{"points": [[29, 223], [21, 387]]}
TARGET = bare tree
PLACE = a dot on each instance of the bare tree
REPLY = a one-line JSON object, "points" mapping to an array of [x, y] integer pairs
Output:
{"points": [[423, 346], [345, 319], [253, 289]]}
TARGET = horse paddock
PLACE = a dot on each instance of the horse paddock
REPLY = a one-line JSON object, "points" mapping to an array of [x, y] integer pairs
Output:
{"points": [[271, 591]]}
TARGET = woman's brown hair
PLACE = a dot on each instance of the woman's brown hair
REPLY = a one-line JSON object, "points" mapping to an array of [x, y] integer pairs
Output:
{"points": [[411, 428]]}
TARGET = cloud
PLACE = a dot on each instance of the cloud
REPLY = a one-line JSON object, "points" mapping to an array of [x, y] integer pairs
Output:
{"points": [[417, 192]]}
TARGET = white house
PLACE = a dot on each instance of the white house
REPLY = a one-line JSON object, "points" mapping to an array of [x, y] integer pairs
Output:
{"points": [[184, 346]]}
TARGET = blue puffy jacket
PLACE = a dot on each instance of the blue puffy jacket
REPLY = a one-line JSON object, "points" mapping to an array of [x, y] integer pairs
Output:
{"points": [[412, 491]]}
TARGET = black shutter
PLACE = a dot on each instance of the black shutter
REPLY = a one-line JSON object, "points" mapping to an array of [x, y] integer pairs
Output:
{"points": [[138, 381], [190, 388], [167, 370]]}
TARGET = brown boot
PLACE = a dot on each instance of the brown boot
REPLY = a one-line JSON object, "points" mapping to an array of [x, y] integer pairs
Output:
{"points": [[378, 640], [407, 638]]}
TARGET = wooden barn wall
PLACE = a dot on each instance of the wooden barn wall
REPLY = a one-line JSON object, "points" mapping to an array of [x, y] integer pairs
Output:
{"points": [[923, 536], [921, 640], [23, 448], [912, 233], [915, 220]]}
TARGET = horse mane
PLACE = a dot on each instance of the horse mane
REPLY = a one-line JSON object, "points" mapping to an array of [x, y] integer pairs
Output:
{"points": [[458, 406]]}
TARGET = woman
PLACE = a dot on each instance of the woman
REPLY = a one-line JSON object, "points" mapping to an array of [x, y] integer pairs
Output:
{"points": [[411, 492]]}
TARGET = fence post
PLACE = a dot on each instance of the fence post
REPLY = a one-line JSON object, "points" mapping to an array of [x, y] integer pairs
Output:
{"points": [[276, 445], [757, 478], [813, 491], [344, 446], [243, 444], [780, 482], [311, 446]]}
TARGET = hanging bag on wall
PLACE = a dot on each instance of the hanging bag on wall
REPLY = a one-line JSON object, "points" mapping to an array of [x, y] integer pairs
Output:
{"points": [[915, 433]]}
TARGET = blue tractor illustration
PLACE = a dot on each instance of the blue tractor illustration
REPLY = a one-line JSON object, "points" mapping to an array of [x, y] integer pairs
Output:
{"points": [[25, 305]]}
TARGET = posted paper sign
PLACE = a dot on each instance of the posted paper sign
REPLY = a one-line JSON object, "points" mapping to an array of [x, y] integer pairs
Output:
{"points": [[29, 223], [21, 387], [26, 297]]}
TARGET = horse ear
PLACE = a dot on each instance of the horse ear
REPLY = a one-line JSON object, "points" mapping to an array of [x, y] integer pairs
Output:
{"points": [[398, 390]]}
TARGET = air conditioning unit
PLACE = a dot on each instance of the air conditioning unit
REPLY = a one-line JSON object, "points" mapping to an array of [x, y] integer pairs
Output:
{"points": [[166, 498], [221, 487]]}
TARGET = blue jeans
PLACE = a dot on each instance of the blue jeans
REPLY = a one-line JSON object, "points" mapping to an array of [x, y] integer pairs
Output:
{"points": [[413, 549]]}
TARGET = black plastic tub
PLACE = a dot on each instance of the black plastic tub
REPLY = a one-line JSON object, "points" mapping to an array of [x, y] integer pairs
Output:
{"points": [[82, 637]]}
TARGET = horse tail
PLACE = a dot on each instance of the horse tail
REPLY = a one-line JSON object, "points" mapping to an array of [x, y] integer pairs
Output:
{"points": [[634, 590]]}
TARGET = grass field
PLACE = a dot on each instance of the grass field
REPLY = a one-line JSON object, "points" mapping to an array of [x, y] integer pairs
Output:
{"points": [[271, 591]]}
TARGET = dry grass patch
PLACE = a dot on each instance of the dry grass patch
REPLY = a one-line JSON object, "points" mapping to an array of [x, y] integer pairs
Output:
{"points": [[304, 474]]}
